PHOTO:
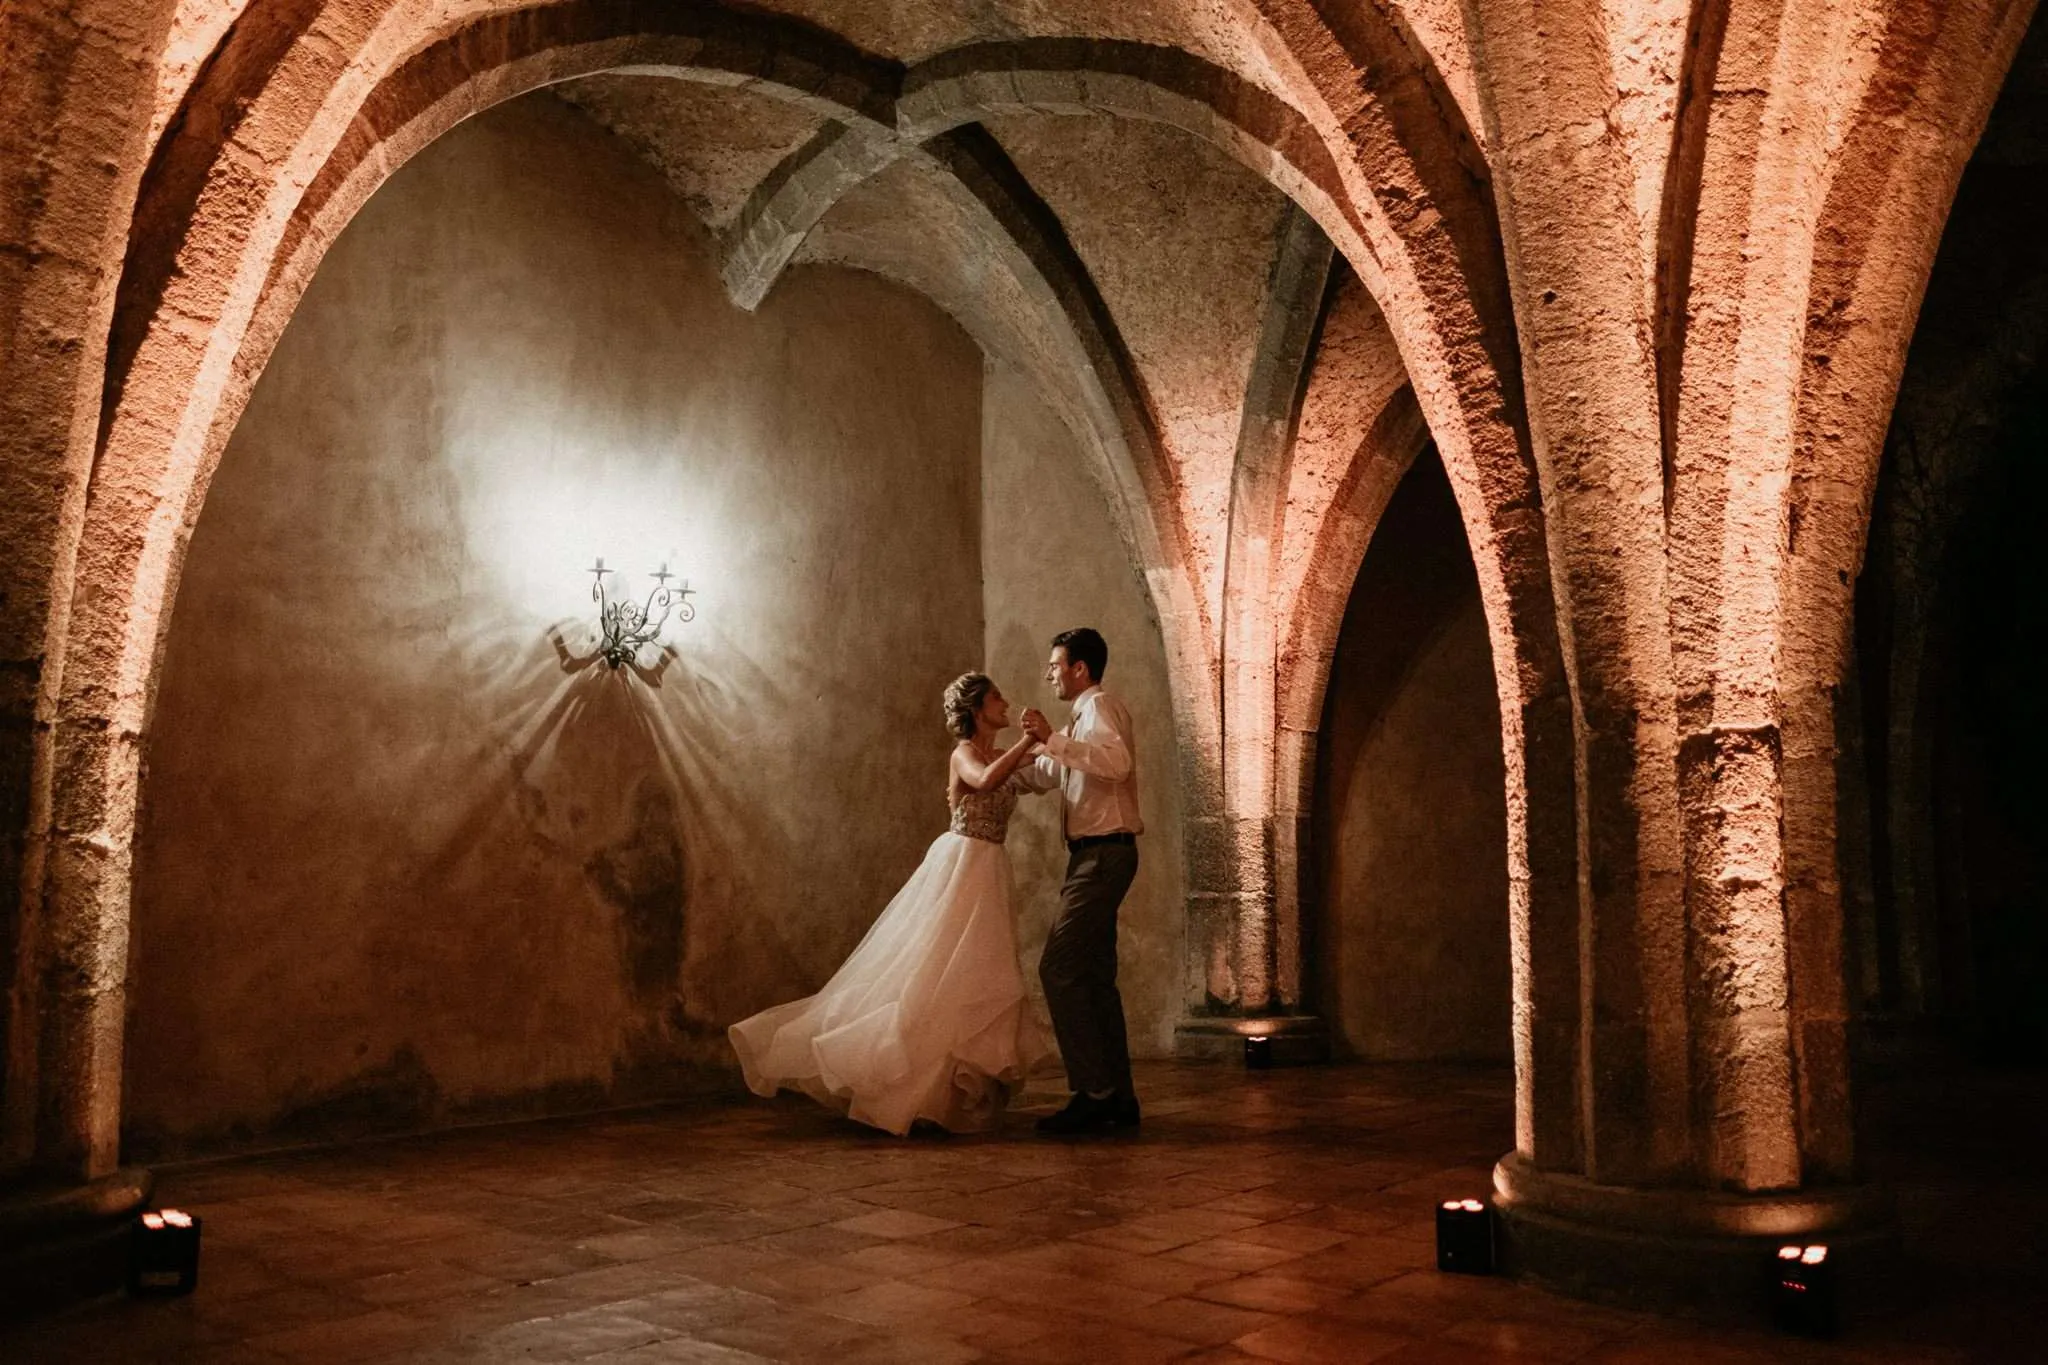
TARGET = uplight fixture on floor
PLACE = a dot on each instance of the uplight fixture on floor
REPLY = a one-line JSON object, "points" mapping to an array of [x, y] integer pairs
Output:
{"points": [[624, 627], [1464, 1237], [1803, 1293], [1258, 1052], [163, 1252]]}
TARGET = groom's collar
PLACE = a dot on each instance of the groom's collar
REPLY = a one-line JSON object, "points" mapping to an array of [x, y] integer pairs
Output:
{"points": [[1093, 688]]}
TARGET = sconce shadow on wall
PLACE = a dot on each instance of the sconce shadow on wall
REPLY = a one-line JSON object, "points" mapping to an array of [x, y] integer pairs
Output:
{"points": [[625, 627]]}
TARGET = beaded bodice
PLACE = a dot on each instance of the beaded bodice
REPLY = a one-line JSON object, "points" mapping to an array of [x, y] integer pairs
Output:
{"points": [[985, 815]]}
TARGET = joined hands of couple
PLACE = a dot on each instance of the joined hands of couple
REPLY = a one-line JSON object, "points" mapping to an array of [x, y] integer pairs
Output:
{"points": [[1034, 724]]}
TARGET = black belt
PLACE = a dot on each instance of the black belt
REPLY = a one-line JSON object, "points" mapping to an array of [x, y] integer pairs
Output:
{"points": [[1124, 837]]}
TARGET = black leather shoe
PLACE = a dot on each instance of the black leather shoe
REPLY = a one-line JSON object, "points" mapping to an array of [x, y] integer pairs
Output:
{"points": [[1082, 1115], [1123, 1109]]}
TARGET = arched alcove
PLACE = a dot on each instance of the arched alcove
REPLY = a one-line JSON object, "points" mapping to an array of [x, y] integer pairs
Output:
{"points": [[1946, 877], [1411, 855], [408, 854]]}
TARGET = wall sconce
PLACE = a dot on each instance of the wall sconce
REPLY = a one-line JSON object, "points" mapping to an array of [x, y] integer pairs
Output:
{"points": [[624, 627]]}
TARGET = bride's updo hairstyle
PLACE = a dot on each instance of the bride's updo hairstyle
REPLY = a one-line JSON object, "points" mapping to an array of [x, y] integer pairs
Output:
{"points": [[964, 696]]}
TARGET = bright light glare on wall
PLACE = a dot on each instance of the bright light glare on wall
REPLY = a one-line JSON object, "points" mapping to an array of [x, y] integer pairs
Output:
{"points": [[535, 521]]}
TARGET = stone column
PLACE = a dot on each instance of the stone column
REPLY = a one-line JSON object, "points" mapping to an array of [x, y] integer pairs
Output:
{"points": [[75, 111], [1243, 859]]}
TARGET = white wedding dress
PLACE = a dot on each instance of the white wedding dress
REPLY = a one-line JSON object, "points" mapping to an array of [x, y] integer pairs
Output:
{"points": [[928, 1019]]}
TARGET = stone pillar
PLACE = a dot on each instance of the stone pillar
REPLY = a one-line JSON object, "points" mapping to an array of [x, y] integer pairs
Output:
{"points": [[1243, 859], [75, 112], [1667, 504]]}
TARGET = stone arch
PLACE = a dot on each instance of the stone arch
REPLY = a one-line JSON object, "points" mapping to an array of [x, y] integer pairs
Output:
{"points": [[1779, 458], [1430, 249], [1396, 181], [445, 83], [1061, 76], [1108, 408], [296, 99], [284, 138], [1934, 81], [1308, 630], [1391, 444], [1406, 202], [74, 127], [1265, 940], [1548, 95]]}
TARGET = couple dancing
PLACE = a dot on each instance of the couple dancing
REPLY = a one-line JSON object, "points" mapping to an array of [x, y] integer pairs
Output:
{"points": [[928, 1019]]}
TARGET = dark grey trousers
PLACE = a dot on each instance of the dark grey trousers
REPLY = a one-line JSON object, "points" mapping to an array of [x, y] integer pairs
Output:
{"points": [[1079, 969]]}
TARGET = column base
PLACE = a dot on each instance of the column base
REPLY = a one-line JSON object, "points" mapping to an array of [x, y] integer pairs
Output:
{"points": [[1296, 1039], [61, 1242], [1702, 1253]]}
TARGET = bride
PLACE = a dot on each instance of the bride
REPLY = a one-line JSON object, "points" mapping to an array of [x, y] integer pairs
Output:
{"points": [[928, 1019]]}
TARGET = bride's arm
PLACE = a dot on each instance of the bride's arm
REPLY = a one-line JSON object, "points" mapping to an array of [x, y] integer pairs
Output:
{"points": [[981, 777]]}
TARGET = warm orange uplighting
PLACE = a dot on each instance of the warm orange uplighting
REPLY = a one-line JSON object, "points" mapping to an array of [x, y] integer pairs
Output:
{"points": [[1464, 1237], [178, 1218], [1805, 1293], [152, 1221]]}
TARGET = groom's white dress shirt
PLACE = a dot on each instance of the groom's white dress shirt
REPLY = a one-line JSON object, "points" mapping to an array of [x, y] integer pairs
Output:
{"points": [[1094, 763]]}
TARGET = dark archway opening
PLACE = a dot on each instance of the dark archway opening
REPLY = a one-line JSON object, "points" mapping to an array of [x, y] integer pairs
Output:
{"points": [[1945, 819], [1944, 824], [1410, 815]]}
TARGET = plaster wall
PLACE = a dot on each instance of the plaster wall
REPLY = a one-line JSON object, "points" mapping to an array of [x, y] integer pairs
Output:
{"points": [[410, 855], [1052, 561], [1410, 821]]}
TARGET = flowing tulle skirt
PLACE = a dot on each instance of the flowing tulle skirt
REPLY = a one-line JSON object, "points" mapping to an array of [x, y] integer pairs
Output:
{"points": [[928, 1019]]}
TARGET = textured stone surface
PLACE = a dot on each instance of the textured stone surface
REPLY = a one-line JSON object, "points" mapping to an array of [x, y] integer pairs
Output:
{"points": [[1651, 280], [1179, 240], [712, 144], [1355, 372]]}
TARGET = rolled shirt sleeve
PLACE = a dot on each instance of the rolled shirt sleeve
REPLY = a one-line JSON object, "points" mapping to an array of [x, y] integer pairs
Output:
{"points": [[1041, 774], [1097, 746], [1095, 765]]}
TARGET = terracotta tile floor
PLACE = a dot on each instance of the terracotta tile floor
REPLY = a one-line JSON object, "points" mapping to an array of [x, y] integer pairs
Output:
{"points": [[1283, 1216]]}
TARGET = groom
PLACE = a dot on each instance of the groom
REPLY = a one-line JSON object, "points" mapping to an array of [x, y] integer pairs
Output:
{"points": [[1094, 763]]}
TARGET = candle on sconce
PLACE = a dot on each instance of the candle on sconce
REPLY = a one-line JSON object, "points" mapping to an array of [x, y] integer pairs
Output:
{"points": [[625, 626]]}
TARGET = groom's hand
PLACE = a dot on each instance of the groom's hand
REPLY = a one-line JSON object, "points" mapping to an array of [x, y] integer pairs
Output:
{"points": [[1036, 725]]}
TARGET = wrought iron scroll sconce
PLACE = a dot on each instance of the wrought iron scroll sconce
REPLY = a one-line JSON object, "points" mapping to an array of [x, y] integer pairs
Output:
{"points": [[624, 626]]}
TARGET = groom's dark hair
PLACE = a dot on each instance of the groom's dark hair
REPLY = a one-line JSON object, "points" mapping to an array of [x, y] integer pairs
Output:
{"points": [[1084, 645]]}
